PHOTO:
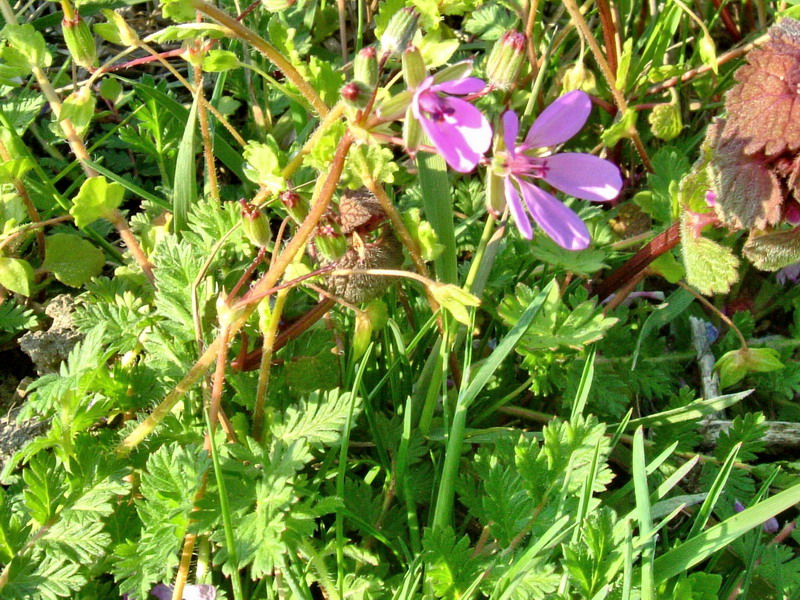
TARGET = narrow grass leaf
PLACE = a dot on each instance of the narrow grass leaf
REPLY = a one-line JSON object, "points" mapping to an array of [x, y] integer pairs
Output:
{"points": [[681, 559], [184, 190], [438, 204], [693, 410], [643, 514], [585, 385], [714, 493], [677, 302]]}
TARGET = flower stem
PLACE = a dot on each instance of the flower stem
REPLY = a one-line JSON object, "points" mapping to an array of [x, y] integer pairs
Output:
{"points": [[267, 349], [723, 317], [205, 134], [271, 277], [605, 68]]}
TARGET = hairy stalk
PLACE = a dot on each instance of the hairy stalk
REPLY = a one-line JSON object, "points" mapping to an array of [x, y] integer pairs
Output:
{"points": [[722, 316], [296, 245], [721, 60], [203, 102], [33, 214], [29, 226], [610, 33], [79, 150], [297, 160], [268, 50], [267, 349], [205, 134], [605, 68]]}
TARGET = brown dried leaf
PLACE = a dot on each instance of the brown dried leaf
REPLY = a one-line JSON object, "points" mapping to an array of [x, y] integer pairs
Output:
{"points": [[764, 108], [748, 192], [358, 208]]}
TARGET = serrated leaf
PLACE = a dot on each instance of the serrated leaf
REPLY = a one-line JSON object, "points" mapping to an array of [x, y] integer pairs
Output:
{"points": [[96, 199], [217, 61], [749, 194], [665, 121], [73, 260], [28, 42], [773, 250], [763, 110], [451, 564], [319, 418], [16, 275], [582, 262], [710, 267]]}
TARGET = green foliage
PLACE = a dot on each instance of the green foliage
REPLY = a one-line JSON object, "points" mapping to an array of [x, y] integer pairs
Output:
{"points": [[73, 260]]}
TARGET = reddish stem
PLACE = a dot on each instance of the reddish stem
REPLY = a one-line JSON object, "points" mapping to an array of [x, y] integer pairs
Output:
{"points": [[663, 242]]}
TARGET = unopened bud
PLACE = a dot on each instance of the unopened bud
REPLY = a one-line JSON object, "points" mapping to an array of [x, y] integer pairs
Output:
{"points": [[414, 71], [412, 133], [365, 66], [356, 94], [226, 314], [80, 42], [126, 35], [295, 205], [506, 59], [578, 77], [400, 30], [277, 5], [371, 319], [330, 244], [255, 225]]}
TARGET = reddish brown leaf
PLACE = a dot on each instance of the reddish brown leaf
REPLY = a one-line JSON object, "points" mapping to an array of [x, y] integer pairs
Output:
{"points": [[748, 192], [764, 108]]}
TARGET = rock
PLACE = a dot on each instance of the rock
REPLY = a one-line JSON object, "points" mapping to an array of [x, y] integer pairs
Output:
{"points": [[48, 349]]}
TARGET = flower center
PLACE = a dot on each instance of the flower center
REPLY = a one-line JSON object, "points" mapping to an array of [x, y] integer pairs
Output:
{"points": [[435, 107], [522, 165]]}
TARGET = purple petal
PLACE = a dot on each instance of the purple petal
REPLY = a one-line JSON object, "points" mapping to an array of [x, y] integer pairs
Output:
{"points": [[467, 85], [462, 136], [583, 176], [564, 227], [517, 211], [560, 121], [510, 131]]}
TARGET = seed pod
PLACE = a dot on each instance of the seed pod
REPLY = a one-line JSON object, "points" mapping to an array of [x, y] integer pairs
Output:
{"points": [[506, 59], [365, 66], [277, 5], [385, 253], [80, 42], [330, 243], [400, 30]]}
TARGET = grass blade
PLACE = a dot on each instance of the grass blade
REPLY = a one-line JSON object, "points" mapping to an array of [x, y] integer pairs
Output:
{"points": [[184, 190]]}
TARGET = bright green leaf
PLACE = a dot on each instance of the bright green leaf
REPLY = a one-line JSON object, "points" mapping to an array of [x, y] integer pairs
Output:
{"points": [[96, 199], [16, 275], [73, 260]]}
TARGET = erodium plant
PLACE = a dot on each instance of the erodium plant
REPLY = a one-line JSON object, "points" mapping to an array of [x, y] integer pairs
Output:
{"points": [[398, 300]]}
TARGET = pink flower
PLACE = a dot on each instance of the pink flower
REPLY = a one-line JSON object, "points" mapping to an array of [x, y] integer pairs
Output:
{"points": [[457, 129], [580, 175]]}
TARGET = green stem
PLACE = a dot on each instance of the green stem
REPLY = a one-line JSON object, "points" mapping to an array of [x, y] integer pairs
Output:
{"points": [[230, 540], [267, 49]]}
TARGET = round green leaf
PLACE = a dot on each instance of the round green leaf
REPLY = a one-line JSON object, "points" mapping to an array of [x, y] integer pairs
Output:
{"points": [[73, 260], [96, 199], [16, 275]]}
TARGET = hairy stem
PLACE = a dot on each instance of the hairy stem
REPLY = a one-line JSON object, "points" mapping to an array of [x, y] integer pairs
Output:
{"points": [[268, 50], [272, 276]]}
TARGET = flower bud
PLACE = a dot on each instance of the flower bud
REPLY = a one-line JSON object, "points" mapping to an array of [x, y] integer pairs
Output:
{"points": [[506, 59], [356, 94], [122, 31], [255, 225], [365, 66], [295, 205], [578, 77], [80, 42], [414, 71], [330, 244], [412, 133], [454, 299], [371, 319], [226, 314], [277, 5], [400, 30]]}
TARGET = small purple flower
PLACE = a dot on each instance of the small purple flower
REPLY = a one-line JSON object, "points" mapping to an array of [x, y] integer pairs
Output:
{"points": [[580, 175], [190, 592], [790, 274], [457, 129]]}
